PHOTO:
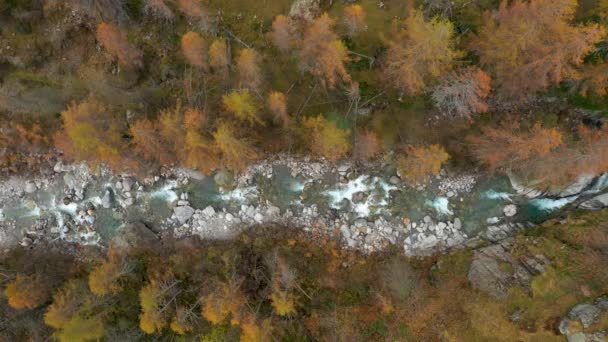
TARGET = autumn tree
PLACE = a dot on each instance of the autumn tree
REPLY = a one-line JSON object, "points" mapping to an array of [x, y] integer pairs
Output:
{"points": [[155, 299], [226, 302], [277, 104], [200, 152], [81, 329], [243, 105], [586, 153], [511, 146], [463, 93], [420, 162], [27, 291], [322, 53], [176, 136], [366, 146], [253, 330], [105, 278], [422, 52], [282, 33], [149, 144], [67, 301], [91, 132], [219, 57], [235, 153], [594, 80], [116, 43], [325, 138], [248, 67], [543, 47], [354, 19], [181, 323], [195, 50]]}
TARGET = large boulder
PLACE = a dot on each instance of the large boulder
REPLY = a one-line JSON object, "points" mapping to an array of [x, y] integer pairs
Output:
{"points": [[494, 269], [134, 235], [597, 202], [183, 214]]}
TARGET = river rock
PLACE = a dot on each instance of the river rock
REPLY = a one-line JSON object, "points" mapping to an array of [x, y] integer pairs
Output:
{"points": [[394, 180], [107, 201], [510, 210], [258, 217], [127, 184], [183, 214], [30, 187], [457, 224], [587, 314], [359, 197], [224, 179], [273, 212], [209, 211]]}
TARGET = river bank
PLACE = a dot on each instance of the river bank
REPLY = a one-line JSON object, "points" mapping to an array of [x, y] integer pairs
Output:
{"points": [[369, 207]]}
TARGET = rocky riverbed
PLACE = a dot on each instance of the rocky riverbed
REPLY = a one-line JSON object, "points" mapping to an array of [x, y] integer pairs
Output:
{"points": [[369, 207]]}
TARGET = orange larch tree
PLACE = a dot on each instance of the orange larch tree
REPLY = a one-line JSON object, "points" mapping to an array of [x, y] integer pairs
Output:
{"points": [[367, 145], [116, 43], [248, 67], [281, 33], [531, 45], [354, 19], [421, 53], [277, 104], [195, 50], [511, 147], [219, 57], [322, 53]]}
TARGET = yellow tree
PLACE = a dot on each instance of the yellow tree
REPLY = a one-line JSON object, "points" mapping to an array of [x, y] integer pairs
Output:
{"points": [[116, 43], [91, 133], [420, 162], [105, 278], [81, 329], [243, 106], [322, 53], [422, 52], [354, 19], [281, 33], [248, 67], [195, 50], [67, 301], [277, 104], [543, 47], [235, 153], [325, 138], [27, 292], [226, 302]]}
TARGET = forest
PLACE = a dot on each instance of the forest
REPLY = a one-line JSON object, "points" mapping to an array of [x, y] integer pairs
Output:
{"points": [[497, 87]]}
